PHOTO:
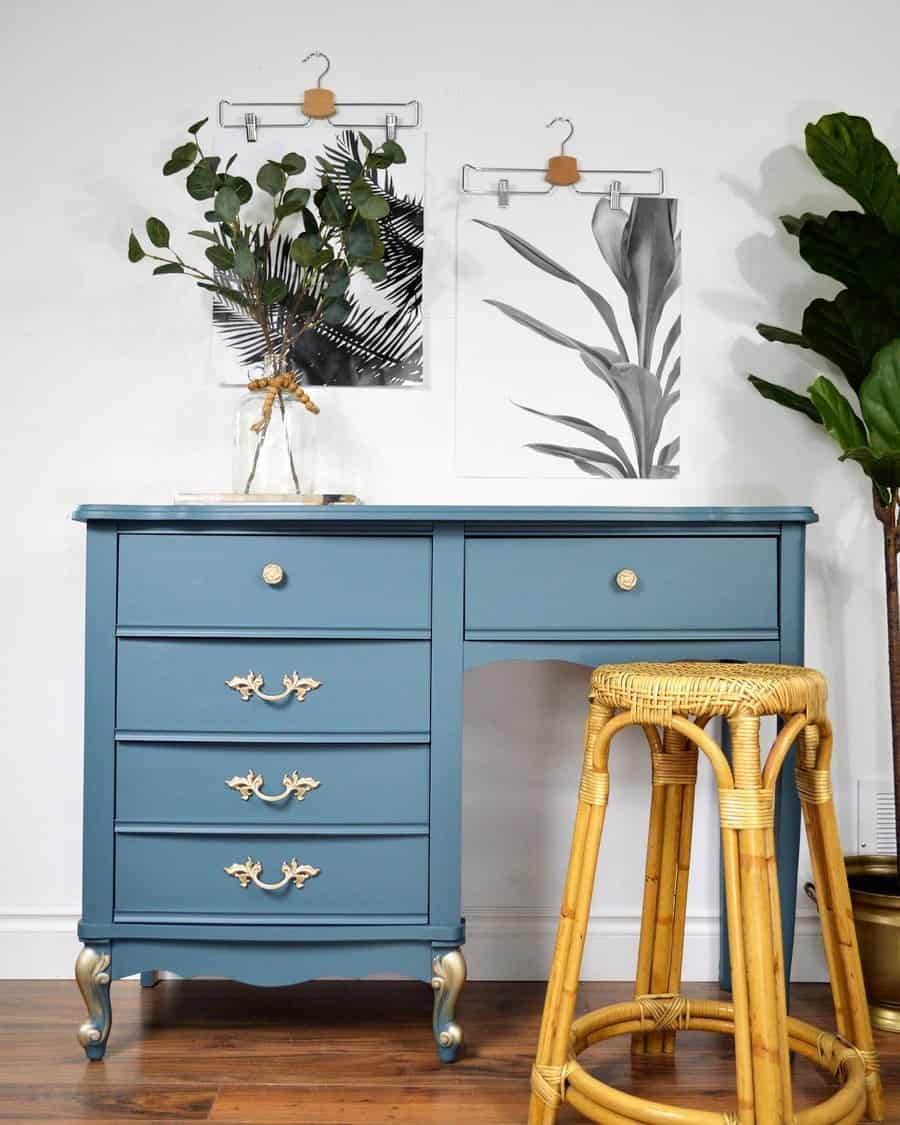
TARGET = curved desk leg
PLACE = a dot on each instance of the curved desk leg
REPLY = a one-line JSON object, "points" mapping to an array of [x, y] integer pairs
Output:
{"points": [[92, 971], [448, 978]]}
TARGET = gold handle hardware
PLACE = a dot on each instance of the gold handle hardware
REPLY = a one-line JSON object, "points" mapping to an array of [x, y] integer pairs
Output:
{"points": [[626, 579], [249, 871], [249, 685], [251, 785], [272, 574]]}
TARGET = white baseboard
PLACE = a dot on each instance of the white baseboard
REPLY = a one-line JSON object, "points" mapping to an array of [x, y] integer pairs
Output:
{"points": [[518, 945], [501, 945]]}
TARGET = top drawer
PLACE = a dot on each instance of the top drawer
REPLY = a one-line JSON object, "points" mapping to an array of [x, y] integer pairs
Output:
{"points": [[548, 586], [329, 583]]}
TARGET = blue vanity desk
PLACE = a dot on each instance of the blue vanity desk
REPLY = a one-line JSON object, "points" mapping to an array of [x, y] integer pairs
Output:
{"points": [[273, 713]]}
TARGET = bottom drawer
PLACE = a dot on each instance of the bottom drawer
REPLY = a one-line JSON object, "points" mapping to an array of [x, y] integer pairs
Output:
{"points": [[358, 876]]}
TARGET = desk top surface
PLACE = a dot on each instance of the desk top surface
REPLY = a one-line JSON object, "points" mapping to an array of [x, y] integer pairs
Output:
{"points": [[428, 514]]}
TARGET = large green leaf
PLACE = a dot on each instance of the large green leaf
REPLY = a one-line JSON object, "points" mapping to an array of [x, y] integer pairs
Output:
{"points": [[838, 416], [845, 151], [784, 396], [855, 249], [880, 399], [883, 468], [849, 331]]}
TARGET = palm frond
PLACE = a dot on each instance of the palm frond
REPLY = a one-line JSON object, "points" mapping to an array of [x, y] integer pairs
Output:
{"points": [[402, 231]]}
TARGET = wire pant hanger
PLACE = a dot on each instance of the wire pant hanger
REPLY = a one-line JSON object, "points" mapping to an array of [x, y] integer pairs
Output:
{"points": [[318, 103], [561, 170]]}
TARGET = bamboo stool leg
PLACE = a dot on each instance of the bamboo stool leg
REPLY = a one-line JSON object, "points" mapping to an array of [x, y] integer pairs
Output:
{"points": [[835, 908], [562, 986], [668, 866], [749, 809]]}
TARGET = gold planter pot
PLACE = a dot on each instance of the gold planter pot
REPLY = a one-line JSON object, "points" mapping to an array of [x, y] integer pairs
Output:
{"points": [[877, 918]]}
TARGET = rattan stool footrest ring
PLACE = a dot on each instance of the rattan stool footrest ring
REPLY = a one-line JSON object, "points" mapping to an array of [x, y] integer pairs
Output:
{"points": [[598, 1101]]}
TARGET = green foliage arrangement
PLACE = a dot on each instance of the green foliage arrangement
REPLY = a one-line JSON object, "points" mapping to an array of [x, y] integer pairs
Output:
{"points": [[331, 232], [859, 332]]}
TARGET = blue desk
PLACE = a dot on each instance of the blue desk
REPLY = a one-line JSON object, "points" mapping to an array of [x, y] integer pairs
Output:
{"points": [[273, 713]]}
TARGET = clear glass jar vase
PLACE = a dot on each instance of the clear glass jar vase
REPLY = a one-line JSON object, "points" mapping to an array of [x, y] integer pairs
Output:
{"points": [[275, 439]]}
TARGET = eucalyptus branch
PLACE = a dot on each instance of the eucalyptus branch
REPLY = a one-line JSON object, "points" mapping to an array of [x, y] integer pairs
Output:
{"points": [[342, 238]]}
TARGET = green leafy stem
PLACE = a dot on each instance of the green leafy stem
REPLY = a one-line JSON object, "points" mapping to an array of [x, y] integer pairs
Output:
{"points": [[334, 237]]}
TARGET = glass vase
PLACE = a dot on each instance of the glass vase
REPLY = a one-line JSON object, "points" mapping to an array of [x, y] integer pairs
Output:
{"points": [[274, 440]]}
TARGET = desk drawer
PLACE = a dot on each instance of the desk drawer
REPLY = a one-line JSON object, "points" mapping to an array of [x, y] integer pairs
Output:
{"points": [[556, 585], [371, 687], [180, 783], [185, 875], [329, 582]]}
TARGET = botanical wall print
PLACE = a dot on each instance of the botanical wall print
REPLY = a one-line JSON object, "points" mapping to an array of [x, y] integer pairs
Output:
{"points": [[569, 337], [380, 342]]}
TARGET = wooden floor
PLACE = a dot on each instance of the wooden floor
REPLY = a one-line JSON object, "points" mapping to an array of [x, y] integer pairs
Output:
{"points": [[336, 1053]]}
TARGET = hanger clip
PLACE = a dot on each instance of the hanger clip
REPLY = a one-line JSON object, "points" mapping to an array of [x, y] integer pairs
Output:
{"points": [[503, 192], [251, 125], [391, 121]]}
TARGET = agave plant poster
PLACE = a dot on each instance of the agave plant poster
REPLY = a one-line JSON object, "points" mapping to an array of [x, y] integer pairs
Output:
{"points": [[380, 343], [569, 338]]}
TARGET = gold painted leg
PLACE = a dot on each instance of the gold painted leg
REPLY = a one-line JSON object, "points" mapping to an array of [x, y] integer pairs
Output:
{"points": [[835, 908], [448, 975], [93, 977], [562, 986], [748, 812]]}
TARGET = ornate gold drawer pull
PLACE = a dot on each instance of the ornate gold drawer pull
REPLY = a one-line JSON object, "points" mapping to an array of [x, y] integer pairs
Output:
{"points": [[249, 871], [626, 579], [251, 785], [294, 684]]}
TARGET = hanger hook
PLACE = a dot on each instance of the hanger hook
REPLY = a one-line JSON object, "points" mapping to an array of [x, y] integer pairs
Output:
{"points": [[320, 55], [568, 136]]}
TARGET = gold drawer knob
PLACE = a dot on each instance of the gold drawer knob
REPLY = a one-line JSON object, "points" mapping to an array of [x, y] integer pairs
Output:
{"points": [[251, 785], [294, 684], [626, 579], [272, 574], [293, 872]]}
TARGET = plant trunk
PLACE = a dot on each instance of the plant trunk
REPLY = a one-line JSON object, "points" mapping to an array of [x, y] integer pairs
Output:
{"points": [[887, 514]]}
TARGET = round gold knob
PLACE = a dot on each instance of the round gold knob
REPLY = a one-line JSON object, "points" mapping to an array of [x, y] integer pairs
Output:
{"points": [[272, 574], [626, 579]]}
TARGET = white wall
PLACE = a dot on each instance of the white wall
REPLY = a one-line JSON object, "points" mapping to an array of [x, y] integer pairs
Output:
{"points": [[105, 396]]}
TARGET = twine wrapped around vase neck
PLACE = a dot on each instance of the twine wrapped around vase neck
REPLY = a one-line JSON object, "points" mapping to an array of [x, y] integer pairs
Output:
{"points": [[274, 385]]}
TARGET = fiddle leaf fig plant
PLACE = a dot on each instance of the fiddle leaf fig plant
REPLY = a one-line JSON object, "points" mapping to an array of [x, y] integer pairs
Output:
{"points": [[332, 234], [858, 331]]}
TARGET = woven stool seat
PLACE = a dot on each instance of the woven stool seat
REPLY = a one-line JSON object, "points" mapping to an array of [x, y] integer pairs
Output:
{"points": [[655, 692], [681, 698]]}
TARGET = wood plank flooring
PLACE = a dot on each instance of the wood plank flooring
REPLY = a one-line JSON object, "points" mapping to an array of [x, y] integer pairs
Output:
{"points": [[337, 1053]]}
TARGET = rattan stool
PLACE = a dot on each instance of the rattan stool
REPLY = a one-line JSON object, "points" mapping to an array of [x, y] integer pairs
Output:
{"points": [[681, 699]]}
